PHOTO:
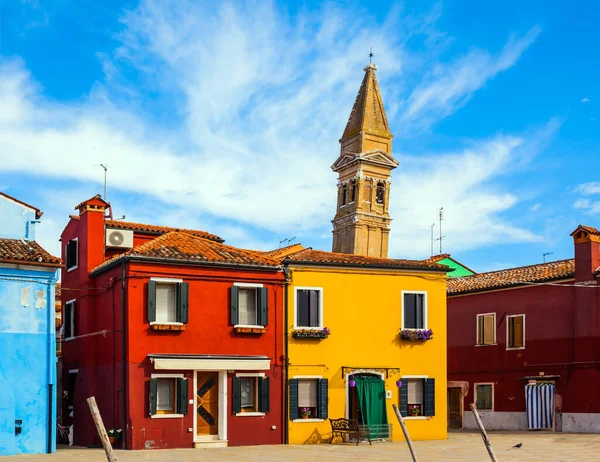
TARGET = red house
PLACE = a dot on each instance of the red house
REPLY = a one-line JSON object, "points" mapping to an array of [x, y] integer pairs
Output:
{"points": [[177, 335], [524, 344]]}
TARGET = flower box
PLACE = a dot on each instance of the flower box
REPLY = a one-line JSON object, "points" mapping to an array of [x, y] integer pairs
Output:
{"points": [[311, 333], [249, 330], [416, 335], [169, 327]]}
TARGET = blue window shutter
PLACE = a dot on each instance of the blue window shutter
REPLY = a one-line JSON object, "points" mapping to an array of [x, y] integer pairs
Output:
{"points": [[294, 399], [151, 301], [182, 396], [263, 306], [182, 302], [323, 399], [429, 397], [236, 405], [264, 386], [152, 395], [404, 398], [234, 312]]}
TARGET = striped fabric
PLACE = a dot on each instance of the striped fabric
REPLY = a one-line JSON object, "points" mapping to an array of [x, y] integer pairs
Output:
{"points": [[539, 400]]}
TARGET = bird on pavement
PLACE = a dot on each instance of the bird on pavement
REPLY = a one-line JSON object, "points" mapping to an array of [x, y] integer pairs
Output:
{"points": [[518, 445]]}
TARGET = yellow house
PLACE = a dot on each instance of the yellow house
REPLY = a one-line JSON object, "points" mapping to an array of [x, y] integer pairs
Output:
{"points": [[346, 358]]}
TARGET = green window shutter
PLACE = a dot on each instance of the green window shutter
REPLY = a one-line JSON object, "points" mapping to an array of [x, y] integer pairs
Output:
{"points": [[263, 306], [264, 386], [294, 399], [182, 302], [67, 320], [323, 399], [236, 405], [404, 398], [182, 396], [151, 301], [429, 397], [234, 312], [152, 395]]}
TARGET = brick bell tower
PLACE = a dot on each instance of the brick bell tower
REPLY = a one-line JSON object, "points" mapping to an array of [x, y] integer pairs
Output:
{"points": [[362, 223]]}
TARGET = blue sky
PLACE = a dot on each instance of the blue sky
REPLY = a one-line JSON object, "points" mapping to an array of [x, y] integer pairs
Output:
{"points": [[227, 118]]}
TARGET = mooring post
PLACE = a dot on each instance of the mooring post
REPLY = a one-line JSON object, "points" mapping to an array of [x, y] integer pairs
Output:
{"points": [[486, 441], [405, 431], [110, 455]]}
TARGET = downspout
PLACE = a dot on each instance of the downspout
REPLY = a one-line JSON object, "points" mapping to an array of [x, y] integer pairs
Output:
{"points": [[52, 361], [123, 358], [286, 431]]}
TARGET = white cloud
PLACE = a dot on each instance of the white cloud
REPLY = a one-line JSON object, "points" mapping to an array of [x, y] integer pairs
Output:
{"points": [[585, 100], [535, 207], [589, 188], [257, 102]]}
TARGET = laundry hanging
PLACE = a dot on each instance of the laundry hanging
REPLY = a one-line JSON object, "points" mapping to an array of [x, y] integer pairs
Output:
{"points": [[539, 402]]}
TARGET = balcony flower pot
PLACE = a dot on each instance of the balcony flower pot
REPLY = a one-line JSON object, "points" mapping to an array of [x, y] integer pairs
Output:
{"points": [[311, 333], [416, 335]]}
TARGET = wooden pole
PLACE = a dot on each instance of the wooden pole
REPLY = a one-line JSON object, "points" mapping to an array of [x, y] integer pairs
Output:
{"points": [[110, 455], [405, 431], [486, 441]]}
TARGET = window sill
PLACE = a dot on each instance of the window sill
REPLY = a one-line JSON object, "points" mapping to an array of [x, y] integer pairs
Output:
{"points": [[487, 344], [68, 339], [418, 417], [168, 326], [167, 416], [308, 420], [72, 268], [250, 414], [515, 348], [241, 329]]}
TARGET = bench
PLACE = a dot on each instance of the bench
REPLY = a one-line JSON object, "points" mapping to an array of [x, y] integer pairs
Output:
{"points": [[341, 427]]}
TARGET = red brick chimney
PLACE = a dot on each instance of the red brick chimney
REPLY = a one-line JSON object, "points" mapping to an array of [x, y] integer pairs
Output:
{"points": [[91, 234], [587, 253]]}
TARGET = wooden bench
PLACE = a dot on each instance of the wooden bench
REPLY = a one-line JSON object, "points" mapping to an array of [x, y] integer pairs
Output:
{"points": [[340, 427]]}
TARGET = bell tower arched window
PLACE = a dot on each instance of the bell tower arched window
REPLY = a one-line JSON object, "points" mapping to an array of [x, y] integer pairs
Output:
{"points": [[344, 195], [380, 194], [352, 190]]}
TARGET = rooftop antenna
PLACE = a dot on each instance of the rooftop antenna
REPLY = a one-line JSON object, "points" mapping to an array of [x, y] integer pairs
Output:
{"points": [[546, 254], [432, 240], [105, 167], [441, 237], [286, 240], [371, 54]]}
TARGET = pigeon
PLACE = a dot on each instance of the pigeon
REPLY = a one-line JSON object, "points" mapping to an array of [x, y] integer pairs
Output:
{"points": [[518, 445]]}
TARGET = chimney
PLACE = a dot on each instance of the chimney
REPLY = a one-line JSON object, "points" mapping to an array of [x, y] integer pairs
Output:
{"points": [[91, 237], [587, 253]]}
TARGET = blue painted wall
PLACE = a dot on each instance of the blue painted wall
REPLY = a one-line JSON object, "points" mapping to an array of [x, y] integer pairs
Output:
{"points": [[18, 221], [27, 359]]}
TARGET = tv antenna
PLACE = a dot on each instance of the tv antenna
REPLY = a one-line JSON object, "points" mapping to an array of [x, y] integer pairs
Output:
{"points": [[286, 240], [432, 240], [105, 167], [441, 237], [544, 255]]}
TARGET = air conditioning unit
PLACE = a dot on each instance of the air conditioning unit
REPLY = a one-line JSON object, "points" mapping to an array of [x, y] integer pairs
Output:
{"points": [[119, 238]]}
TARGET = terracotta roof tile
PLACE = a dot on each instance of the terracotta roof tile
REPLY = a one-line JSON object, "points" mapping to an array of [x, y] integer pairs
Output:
{"points": [[20, 251], [97, 198], [439, 257], [179, 246], [38, 213], [587, 229], [283, 251], [158, 230], [551, 271], [320, 257], [57, 291]]}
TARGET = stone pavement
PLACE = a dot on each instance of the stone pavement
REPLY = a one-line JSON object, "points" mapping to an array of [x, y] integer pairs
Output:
{"points": [[543, 447]]}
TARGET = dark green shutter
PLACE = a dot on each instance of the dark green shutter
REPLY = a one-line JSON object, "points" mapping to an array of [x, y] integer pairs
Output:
{"points": [[234, 312], [263, 394], [182, 396], [294, 399], [404, 398], [182, 302], [152, 395], [323, 399], [263, 306], [67, 320], [151, 301], [429, 397], [236, 405]]}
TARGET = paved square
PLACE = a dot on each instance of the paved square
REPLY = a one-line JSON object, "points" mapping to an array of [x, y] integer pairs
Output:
{"points": [[543, 447]]}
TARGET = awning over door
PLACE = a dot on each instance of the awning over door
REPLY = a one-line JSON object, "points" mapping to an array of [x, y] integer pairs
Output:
{"points": [[209, 362]]}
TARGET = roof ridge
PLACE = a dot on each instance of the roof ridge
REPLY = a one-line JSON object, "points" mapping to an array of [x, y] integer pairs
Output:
{"points": [[38, 212], [518, 267]]}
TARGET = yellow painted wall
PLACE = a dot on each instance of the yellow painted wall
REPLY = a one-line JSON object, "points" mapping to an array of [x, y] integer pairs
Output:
{"points": [[363, 310]]}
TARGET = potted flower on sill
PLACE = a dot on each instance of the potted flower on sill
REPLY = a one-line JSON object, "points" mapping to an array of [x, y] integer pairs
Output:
{"points": [[311, 333], [305, 412], [414, 411], [114, 435], [416, 335]]}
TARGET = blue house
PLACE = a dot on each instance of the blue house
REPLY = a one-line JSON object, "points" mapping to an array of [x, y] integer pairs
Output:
{"points": [[28, 275]]}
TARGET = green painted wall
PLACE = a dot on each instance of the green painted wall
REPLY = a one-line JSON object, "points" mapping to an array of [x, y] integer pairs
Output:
{"points": [[459, 270]]}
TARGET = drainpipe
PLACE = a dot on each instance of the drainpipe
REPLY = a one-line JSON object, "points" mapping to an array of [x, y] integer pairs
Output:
{"points": [[286, 436], [123, 358], [51, 359]]}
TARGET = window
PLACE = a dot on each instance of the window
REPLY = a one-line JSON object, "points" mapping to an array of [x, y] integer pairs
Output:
{"points": [[344, 195], [251, 394], [486, 329], [380, 193], [249, 305], [417, 397], [484, 396], [309, 398], [414, 310], [168, 396], [70, 319], [516, 331], [309, 308], [352, 190], [71, 253], [167, 301], [71, 381]]}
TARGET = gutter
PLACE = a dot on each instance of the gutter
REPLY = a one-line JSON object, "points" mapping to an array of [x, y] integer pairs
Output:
{"points": [[123, 357], [286, 298], [438, 269]]}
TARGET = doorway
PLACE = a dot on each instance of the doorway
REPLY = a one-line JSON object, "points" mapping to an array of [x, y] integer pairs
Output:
{"points": [[454, 408], [207, 403], [367, 403]]}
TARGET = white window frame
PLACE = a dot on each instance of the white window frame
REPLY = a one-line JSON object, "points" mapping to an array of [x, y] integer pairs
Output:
{"points": [[167, 281], [475, 395], [307, 377], [477, 330], [415, 377], [426, 309], [246, 285], [173, 377], [321, 303], [256, 375], [70, 321], [508, 332], [72, 268]]}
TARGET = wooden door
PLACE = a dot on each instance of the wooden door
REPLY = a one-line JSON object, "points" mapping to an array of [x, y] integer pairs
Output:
{"points": [[207, 403], [454, 408]]}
